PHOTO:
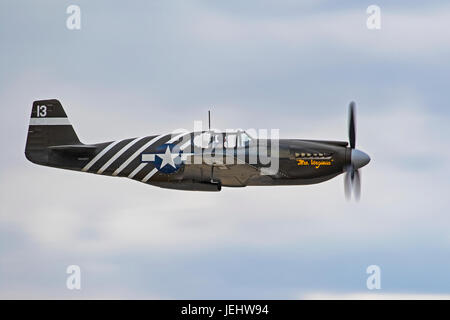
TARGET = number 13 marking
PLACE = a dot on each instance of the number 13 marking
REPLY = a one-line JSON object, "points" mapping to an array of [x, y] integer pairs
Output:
{"points": [[41, 111]]}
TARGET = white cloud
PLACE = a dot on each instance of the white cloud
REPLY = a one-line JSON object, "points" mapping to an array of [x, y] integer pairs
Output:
{"points": [[406, 32]]}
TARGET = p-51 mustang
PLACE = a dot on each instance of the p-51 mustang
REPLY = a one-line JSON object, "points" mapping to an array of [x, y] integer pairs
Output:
{"points": [[200, 161]]}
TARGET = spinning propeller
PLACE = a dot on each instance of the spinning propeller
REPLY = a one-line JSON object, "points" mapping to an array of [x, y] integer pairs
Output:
{"points": [[358, 159]]}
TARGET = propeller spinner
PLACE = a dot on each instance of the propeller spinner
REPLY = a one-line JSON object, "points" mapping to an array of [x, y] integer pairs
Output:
{"points": [[358, 159]]}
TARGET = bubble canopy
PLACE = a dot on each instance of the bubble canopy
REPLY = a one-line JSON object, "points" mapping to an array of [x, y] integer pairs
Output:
{"points": [[229, 139]]}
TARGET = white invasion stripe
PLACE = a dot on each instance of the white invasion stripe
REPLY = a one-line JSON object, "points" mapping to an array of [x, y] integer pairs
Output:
{"points": [[118, 154], [98, 156], [178, 137], [135, 171], [152, 173], [49, 122], [148, 157], [148, 176], [137, 153]]}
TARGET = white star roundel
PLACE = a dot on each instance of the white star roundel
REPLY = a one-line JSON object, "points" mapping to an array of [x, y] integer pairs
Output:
{"points": [[165, 158]]}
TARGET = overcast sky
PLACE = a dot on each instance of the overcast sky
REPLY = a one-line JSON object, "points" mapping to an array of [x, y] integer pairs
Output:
{"points": [[148, 67]]}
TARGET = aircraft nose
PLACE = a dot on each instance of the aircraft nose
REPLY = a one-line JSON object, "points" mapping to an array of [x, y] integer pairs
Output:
{"points": [[359, 158]]}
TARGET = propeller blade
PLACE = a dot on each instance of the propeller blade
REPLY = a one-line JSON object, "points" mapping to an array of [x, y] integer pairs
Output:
{"points": [[347, 185], [357, 185], [358, 159], [351, 125]]}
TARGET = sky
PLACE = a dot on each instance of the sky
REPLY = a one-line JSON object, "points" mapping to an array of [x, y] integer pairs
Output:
{"points": [[149, 67]]}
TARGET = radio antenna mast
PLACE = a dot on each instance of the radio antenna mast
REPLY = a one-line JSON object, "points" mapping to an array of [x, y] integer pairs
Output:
{"points": [[209, 120]]}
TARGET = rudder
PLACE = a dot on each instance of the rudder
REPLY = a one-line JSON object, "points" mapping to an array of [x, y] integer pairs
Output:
{"points": [[49, 126]]}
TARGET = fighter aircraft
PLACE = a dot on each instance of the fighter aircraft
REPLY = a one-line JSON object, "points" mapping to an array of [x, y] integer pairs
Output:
{"points": [[204, 160]]}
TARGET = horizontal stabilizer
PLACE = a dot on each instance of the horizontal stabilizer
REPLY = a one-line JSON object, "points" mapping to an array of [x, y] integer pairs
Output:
{"points": [[75, 149]]}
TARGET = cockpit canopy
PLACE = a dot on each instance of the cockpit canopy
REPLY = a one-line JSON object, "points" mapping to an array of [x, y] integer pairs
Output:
{"points": [[229, 139]]}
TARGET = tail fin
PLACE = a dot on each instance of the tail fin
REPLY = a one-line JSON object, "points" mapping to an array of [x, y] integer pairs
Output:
{"points": [[49, 127]]}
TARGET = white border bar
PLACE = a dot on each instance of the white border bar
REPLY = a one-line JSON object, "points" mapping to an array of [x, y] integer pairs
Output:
{"points": [[49, 122]]}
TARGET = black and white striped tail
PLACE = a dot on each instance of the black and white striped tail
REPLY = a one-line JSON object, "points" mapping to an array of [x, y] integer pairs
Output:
{"points": [[49, 127]]}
